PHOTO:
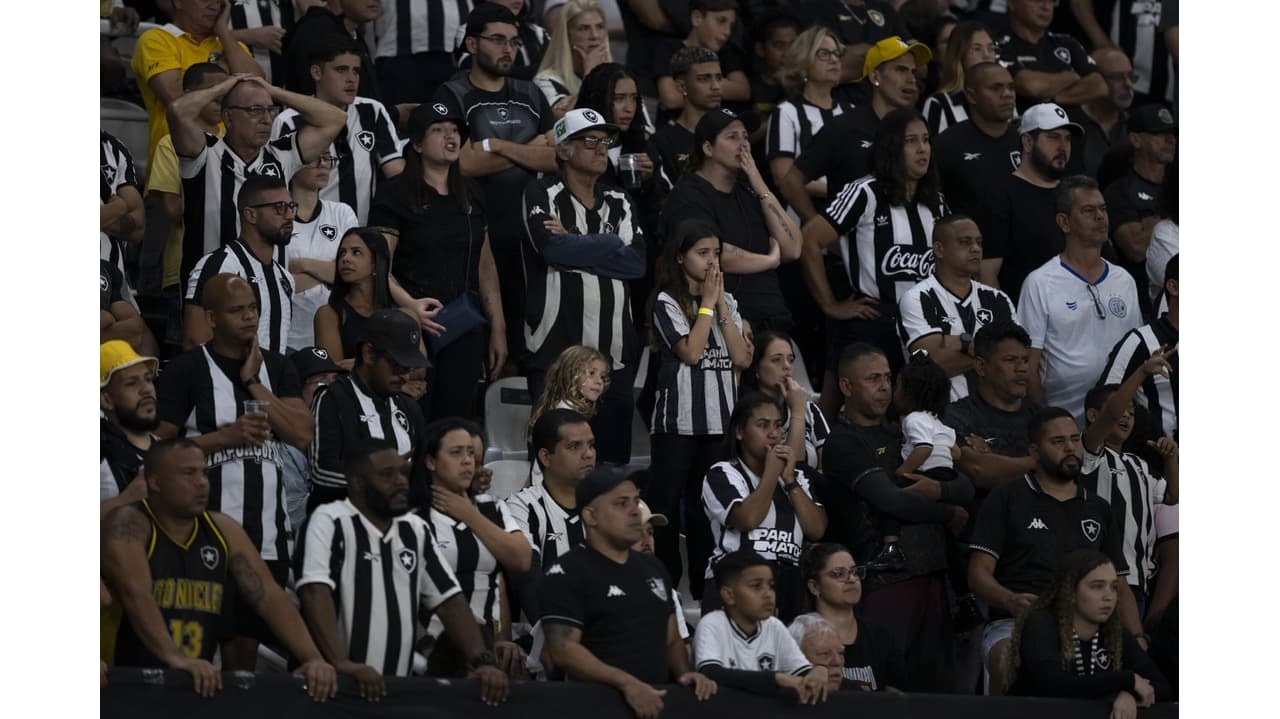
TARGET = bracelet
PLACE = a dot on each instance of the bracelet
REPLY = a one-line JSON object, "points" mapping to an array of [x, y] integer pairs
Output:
{"points": [[251, 382], [788, 488], [764, 197], [485, 145], [706, 311]]}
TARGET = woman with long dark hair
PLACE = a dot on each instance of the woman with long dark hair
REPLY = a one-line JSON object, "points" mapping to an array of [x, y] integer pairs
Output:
{"points": [[759, 499], [833, 584], [441, 260], [1071, 643], [360, 287], [888, 217], [772, 372]]}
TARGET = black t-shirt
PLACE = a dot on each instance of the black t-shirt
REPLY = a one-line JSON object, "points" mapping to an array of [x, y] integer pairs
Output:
{"points": [[1029, 532], [623, 610], [868, 22], [874, 659], [1133, 198], [970, 162], [432, 249], [122, 458], [741, 223], [1005, 432], [1019, 225], [841, 151], [669, 149], [320, 28], [640, 44], [1054, 53], [730, 61], [849, 452], [517, 113]]}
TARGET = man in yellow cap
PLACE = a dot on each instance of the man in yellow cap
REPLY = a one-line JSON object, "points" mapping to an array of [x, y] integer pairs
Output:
{"points": [[840, 152], [128, 419]]}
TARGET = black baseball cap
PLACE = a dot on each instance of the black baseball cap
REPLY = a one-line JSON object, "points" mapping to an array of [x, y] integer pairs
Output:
{"points": [[488, 12], [1154, 118], [602, 480], [313, 360], [397, 335], [429, 113], [711, 124]]}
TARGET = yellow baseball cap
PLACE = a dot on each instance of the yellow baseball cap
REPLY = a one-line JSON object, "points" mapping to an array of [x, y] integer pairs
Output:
{"points": [[890, 48], [117, 355]]}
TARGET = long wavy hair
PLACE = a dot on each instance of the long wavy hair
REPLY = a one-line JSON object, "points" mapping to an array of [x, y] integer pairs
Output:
{"points": [[564, 377], [925, 386], [671, 275], [1060, 601], [377, 245], [952, 66], [801, 54], [889, 168], [596, 94], [557, 63]]}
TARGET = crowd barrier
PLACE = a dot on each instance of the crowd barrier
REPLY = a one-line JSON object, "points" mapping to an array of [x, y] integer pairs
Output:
{"points": [[139, 694]]}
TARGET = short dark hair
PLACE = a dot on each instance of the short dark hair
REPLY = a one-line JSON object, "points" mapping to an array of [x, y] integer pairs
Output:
{"points": [[988, 336], [742, 411], [732, 565], [1064, 196], [194, 75], [1041, 417], [853, 353], [772, 21], [434, 433], [685, 58], [546, 431], [161, 449], [357, 460], [1171, 269], [975, 71], [335, 46], [946, 221], [1097, 396], [255, 186], [706, 6]]}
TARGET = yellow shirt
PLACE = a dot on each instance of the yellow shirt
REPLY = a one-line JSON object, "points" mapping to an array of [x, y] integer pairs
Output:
{"points": [[160, 50], [163, 176]]}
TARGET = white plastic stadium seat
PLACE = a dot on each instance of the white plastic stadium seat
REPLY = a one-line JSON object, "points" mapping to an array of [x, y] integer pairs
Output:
{"points": [[509, 477], [128, 123], [640, 452], [507, 407]]}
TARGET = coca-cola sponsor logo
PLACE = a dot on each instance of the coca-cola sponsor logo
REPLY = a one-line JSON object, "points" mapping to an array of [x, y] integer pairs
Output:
{"points": [[905, 261]]}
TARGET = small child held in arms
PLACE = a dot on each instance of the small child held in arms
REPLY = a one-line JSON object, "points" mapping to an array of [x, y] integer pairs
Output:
{"points": [[744, 645]]}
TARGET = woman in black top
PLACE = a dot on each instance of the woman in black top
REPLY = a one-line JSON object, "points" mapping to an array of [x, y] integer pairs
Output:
{"points": [[724, 186], [834, 582], [440, 252], [1072, 643]]}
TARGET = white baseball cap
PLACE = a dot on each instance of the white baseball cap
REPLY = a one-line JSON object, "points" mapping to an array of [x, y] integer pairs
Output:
{"points": [[1047, 116], [578, 121]]}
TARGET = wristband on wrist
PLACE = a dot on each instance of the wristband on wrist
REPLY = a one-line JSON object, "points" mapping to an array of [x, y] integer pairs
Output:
{"points": [[485, 145], [706, 311]]}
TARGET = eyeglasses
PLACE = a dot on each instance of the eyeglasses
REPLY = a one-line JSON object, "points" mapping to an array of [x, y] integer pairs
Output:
{"points": [[256, 111], [825, 54], [592, 142], [514, 43], [326, 161], [1097, 302], [282, 208], [841, 573]]}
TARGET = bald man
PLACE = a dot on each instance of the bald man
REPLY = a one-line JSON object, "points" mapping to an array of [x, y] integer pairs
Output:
{"points": [[202, 395], [1104, 118]]}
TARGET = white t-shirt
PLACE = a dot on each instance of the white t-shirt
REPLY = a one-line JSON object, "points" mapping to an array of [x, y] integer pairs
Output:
{"points": [[1075, 324], [718, 641], [315, 240], [1164, 245], [925, 429]]}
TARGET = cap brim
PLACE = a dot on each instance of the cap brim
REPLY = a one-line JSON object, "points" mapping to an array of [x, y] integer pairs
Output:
{"points": [[155, 365], [659, 520], [409, 360], [918, 50], [606, 126]]}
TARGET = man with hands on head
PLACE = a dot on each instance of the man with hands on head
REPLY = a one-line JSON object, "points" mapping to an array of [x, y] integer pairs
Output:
{"points": [[405, 569], [607, 609], [170, 564]]}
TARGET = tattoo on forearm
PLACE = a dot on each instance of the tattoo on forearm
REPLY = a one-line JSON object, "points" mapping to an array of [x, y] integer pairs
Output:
{"points": [[248, 581], [782, 222], [129, 525]]}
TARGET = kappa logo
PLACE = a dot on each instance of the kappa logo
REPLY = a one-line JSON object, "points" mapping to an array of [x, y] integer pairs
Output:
{"points": [[877, 17], [658, 587], [209, 556], [365, 138], [408, 559], [1145, 196], [1091, 529], [400, 419], [109, 174], [555, 569], [440, 108], [866, 144], [1015, 158], [1073, 306], [103, 283], [766, 662], [537, 210], [269, 169], [1037, 523], [972, 155], [615, 591], [985, 316], [1064, 55], [1118, 307], [329, 231]]}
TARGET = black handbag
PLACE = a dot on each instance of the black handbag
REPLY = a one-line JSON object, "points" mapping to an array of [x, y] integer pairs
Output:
{"points": [[462, 314]]}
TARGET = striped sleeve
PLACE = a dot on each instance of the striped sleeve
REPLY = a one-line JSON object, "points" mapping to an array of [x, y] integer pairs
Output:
{"points": [[1129, 354], [517, 506], [722, 490], [847, 209], [806, 486], [325, 453], [320, 553], [125, 174], [386, 144], [436, 582], [206, 269], [669, 320], [815, 426], [783, 139], [935, 115], [191, 167], [286, 123], [508, 522], [912, 325]]}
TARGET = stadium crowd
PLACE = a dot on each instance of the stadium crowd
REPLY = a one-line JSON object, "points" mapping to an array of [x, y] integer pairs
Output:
{"points": [[352, 218]]}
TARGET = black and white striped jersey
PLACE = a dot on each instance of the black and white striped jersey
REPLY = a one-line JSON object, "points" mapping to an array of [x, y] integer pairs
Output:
{"points": [[692, 400], [347, 416], [942, 110], [928, 308], [368, 142], [1135, 28], [1126, 483], [248, 14], [1159, 395], [116, 171], [816, 430], [778, 538], [317, 238], [272, 288], [575, 296], [793, 125], [551, 529], [475, 567], [381, 583], [409, 27], [210, 183], [199, 392], [886, 249]]}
